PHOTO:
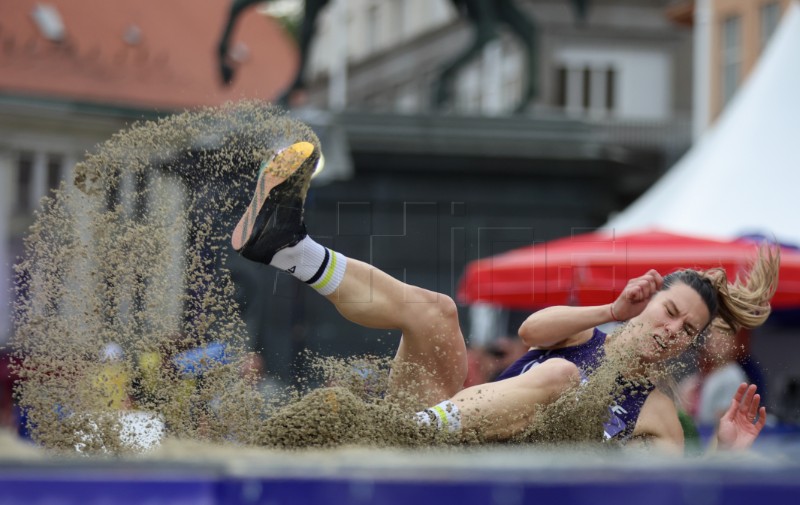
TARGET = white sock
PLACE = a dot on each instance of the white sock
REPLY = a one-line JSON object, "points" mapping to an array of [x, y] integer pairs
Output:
{"points": [[312, 263], [446, 414]]}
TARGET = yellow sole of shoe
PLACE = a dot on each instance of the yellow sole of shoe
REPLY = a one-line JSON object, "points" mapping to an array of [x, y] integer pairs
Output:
{"points": [[272, 173]]}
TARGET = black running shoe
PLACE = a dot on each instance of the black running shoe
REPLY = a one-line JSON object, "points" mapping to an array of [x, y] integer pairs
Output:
{"points": [[274, 218]]}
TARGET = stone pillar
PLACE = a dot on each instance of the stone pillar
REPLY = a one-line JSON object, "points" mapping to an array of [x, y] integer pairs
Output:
{"points": [[492, 78], [340, 28], [701, 117]]}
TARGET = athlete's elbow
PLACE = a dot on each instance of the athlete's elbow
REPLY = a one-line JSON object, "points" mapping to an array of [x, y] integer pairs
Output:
{"points": [[529, 333]]}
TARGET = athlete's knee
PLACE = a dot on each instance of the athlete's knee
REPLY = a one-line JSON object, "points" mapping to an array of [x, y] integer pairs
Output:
{"points": [[555, 375], [431, 308], [446, 308], [438, 321]]}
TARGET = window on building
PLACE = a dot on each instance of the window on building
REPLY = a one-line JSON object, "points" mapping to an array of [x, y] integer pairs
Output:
{"points": [[24, 182], [731, 56], [587, 88], [595, 85], [37, 173], [561, 87], [611, 83], [55, 162], [770, 17]]}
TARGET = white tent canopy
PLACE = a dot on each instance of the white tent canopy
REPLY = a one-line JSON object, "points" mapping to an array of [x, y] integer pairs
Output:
{"points": [[743, 176]]}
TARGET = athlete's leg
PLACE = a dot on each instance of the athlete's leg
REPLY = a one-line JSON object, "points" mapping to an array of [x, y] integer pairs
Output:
{"points": [[502, 409], [431, 335], [499, 410], [272, 231]]}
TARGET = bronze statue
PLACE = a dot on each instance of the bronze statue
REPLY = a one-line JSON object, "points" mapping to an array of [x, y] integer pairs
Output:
{"points": [[310, 13], [484, 15]]}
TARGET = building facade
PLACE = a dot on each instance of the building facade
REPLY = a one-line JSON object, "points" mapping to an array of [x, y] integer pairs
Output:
{"points": [[74, 73], [741, 30], [39, 146], [627, 60], [730, 36]]}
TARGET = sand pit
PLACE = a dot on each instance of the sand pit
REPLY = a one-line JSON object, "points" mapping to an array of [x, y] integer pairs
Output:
{"points": [[126, 307]]}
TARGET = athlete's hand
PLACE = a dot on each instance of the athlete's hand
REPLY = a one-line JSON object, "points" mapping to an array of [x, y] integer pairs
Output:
{"points": [[633, 299], [743, 421]]}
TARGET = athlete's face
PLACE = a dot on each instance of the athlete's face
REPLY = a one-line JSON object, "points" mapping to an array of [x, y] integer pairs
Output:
{"points": [[669, 323]]}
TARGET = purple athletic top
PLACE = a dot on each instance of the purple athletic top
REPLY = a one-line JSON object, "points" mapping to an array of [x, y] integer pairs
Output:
{"points": [[587, 356]]}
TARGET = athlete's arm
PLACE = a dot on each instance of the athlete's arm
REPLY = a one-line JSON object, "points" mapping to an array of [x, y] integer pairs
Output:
{"points": [[561, 326], [658, 425]]}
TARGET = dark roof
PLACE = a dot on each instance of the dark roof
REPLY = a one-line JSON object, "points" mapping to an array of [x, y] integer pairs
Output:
{"points": [[172, 66]]}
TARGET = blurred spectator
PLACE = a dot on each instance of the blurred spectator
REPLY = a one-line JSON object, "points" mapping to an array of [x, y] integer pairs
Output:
{"points": [[475, 366], [113, 379], [484, 364], [11, 416], [252, 369], [789, 411], [749, 364], [706, 395], [150, 385], [8, 418]]}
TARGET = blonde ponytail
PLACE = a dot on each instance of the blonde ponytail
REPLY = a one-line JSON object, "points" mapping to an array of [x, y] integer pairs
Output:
{"points": [[745, 304]]}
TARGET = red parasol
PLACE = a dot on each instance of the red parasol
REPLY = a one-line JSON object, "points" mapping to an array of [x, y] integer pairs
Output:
{"points": [[593, 268]]}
